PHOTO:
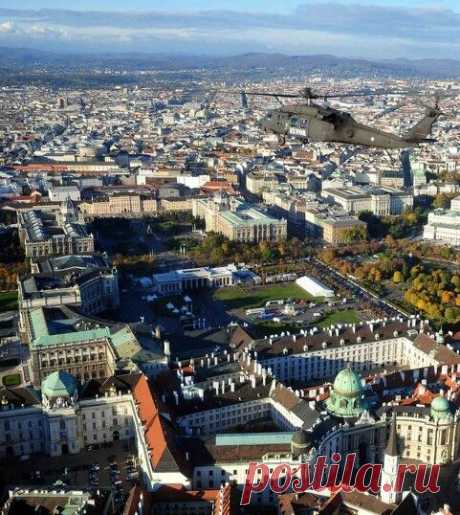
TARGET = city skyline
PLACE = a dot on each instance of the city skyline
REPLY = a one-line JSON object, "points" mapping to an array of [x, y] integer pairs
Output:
{"points": [[367, 29]]}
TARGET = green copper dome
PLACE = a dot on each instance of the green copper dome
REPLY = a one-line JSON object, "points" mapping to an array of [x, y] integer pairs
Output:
{"points": [[301, 442], [440, 408], [59, 384], [348, 383], [346, 395]]}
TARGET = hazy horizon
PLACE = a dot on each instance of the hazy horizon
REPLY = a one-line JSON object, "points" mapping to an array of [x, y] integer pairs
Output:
{"points": [[364, 30]]}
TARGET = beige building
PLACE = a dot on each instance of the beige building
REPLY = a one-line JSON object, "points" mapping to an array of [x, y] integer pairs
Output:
{"points": [[126, 204], [259, 181], [380, 201], [44, 232], [238, 221], [332, 227], [443, 224], [336, 232], [84, 281], [176, 204], [84, 353]]}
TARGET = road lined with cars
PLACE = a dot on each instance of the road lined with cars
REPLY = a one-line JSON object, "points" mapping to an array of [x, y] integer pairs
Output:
{"points": [[360, 291]]}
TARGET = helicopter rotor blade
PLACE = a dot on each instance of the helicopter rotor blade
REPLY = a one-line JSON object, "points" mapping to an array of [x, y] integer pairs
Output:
{"points": [[258, 93], [309, 95], [389, 110]]}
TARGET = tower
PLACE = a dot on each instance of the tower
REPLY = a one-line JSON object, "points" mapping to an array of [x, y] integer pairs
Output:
{"points": [[69, 211], [390, 467], [167, 349]]}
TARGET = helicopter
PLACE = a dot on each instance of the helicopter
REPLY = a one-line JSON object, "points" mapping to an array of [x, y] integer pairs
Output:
{"points": [[312, 122]]}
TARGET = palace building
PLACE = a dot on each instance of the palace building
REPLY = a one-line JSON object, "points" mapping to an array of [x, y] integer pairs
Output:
{"points": [[237, 220]]}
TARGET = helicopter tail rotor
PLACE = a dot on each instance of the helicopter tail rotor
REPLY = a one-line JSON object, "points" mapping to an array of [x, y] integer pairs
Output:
{"points": [[435, 107]]}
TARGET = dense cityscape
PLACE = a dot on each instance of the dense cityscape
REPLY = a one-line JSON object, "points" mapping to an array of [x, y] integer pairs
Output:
{"points": [[185, 294]]}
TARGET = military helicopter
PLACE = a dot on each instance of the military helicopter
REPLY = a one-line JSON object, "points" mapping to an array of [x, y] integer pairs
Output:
{"points": [[313, 122]]}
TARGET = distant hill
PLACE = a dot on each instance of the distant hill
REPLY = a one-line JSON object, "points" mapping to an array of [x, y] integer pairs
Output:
{"points": [[28, 59], [435, 67]]}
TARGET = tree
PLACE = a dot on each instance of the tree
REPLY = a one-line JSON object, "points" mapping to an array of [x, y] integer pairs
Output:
{"points": [[397, 277], [328, 255], [446, 297], [390, 241], [415, 271], [455, 280], [446, 252], [451, 314], [354, 234], [410, 217], [441, 201], [421, 304]]}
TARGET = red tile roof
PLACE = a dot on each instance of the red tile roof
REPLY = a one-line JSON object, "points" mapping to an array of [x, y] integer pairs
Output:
{"points": [[220, 499], [158, 435]]}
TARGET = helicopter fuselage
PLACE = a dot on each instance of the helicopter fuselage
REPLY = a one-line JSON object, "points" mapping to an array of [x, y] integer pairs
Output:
{"points": [[314, 123]]}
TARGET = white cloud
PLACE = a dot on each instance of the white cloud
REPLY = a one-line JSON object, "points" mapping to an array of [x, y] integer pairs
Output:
{"points": [[314, 27], [7, 27]]}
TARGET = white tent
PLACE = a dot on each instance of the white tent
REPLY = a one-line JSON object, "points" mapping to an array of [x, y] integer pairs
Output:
{"points": [[314, 287]]}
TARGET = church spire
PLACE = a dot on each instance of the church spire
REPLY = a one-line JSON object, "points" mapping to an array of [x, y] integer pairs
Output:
{"points": [[392, 444], [388, 494]]}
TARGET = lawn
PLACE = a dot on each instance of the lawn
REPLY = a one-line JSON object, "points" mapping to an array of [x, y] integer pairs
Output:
{"points": [[339, 317], [268, 327], [11, 380], [8, 301], [238, 297]]}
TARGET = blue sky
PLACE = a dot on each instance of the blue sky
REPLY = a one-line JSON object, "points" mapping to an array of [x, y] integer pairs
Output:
{"points": [[354, 28], [242, 5]]}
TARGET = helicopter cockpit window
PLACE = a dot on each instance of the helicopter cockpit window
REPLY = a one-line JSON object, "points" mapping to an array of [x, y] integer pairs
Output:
{"points": [[299, 123]]}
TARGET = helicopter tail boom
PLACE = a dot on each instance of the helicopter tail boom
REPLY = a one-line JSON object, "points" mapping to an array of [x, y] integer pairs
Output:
{"points": [[419, 132]]}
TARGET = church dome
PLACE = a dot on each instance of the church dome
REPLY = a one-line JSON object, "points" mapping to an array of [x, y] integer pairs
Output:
{"points": [[348, 383], [346, 395], [301, 437], [301, 441], [59, 384], [440, 407]]}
